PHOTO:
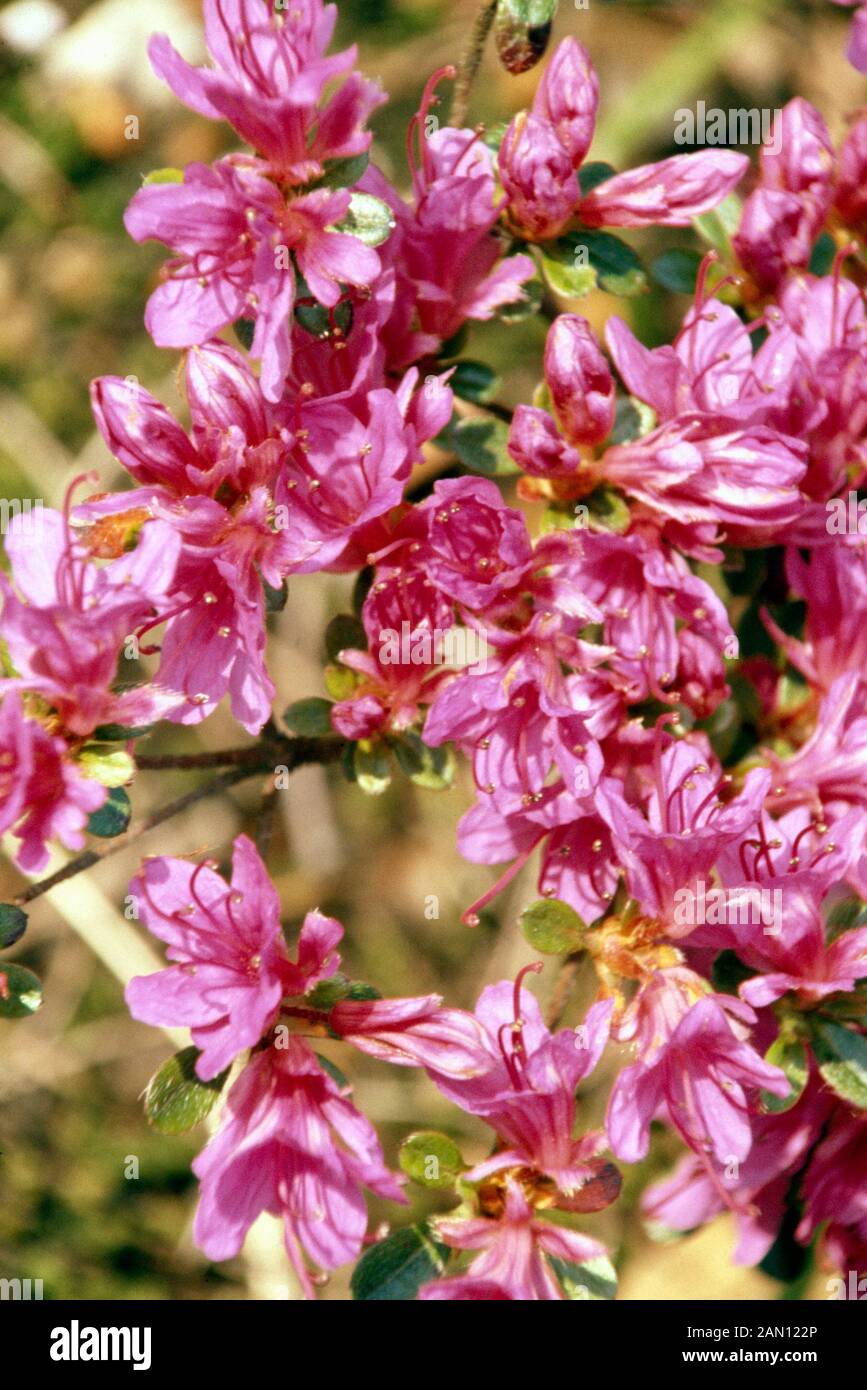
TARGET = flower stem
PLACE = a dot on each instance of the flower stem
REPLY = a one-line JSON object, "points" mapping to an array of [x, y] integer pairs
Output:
{"points": [[563, 984], [471, 61]]}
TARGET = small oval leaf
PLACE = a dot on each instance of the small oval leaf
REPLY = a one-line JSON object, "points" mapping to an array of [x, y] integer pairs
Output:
{"points": [[553, 927], [176, 1099]]}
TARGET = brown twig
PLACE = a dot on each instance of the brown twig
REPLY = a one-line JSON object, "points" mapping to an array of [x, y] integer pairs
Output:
{"points": [[562, 989], [470, 62], [289, 753]]}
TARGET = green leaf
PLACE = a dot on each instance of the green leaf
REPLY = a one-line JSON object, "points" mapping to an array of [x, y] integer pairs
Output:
{"points": [[475, 381], [676, 270], [845, 916], [632, 419], [431, 768], [13, 924], [729, 972], [176, 1099], [275, 599], [522, 29], [343, 173], [339, 681], [591, 175], [333, 1071], [581, 261], [790, 1055], [718, 226], [20, 992], [592, 1280], [481, 445], [396, 1267], [244, 331], [119, 733], [822, 258], [344, 631], [329, 992], [553, 927], [113, 816], [372, 767], [310, 718], [609, 511], [110, 767], [842, 1057], [314, 318], [431, 1159], [163, 176], [368, 218]]}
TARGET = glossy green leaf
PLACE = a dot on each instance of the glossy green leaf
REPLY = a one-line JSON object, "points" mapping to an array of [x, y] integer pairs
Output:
{"points": [[310, 718], [841, 1054], [431, 1159], [369, 219], [113, 816], [395, 1268], [790, 1055], [176, 1099], [553, 927], [20, 992]]}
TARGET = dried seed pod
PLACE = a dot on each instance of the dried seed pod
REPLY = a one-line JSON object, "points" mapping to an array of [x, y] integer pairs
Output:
{"points": [[522, 29]]}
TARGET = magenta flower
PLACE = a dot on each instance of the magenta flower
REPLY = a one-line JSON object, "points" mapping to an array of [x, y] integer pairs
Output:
{"points": [[582, 393], [513, 1246], [755, 1191], [668, 194], [67, 630], [291, 1143], [444, 246], [524, 1087], [538, 179], [701, 1075], [230, 968], [833, 580], [269, 76], [677, 836], [543, 150], [833, 1187], [43, 793], [234, 234]]}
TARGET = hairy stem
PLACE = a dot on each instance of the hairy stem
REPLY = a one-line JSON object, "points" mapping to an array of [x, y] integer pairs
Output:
{"points": [[470, 62]]}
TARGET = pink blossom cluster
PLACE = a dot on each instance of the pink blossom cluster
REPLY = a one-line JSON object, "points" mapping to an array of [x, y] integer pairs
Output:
{"points": [[594, 729]]}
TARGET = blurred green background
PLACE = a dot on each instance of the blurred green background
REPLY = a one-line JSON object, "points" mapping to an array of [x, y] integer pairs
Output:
{"points": [[72, 291]]}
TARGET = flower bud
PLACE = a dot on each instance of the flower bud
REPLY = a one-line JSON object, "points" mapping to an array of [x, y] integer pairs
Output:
{"points": [[579, 381], [538, 179], [567, 97]]}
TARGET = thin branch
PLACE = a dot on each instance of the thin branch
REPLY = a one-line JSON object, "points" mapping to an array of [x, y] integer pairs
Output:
{"points": [[290, 753], [251, 755], [470, 62], [563, 985]]}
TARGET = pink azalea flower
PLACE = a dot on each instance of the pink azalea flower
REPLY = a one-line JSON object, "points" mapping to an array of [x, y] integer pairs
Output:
{"points": [[524, 1087], [700, 1073], [230, 968], [66, 631], [668, 194], [43, 793], [445, 245], [827, 773], [833, 1187], [291, 1143], [757, 1195], [674, 840], [233, 231], [833, 580], [269, 76], [512, 1263]]}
